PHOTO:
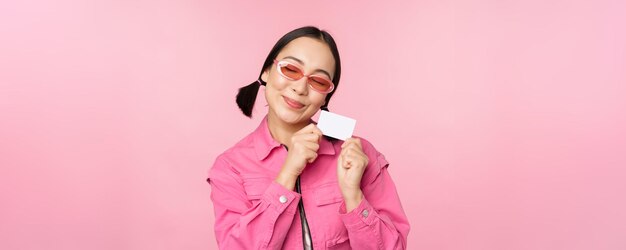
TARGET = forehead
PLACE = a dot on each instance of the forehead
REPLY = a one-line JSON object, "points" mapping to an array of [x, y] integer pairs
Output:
{"points": [[314, 54]]}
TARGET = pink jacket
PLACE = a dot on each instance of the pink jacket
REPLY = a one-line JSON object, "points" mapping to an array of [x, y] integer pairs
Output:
{"points": [[252, 211]]}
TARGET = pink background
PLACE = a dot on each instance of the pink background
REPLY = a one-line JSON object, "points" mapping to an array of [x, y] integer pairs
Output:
{"points": [[504, 121]]}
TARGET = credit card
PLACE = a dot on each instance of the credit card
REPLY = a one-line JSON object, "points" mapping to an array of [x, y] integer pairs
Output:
{"points": [[336, 126]]}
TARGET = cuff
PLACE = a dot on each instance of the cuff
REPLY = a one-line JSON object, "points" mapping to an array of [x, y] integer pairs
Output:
{"points": [[363, 214], [281, 198]]}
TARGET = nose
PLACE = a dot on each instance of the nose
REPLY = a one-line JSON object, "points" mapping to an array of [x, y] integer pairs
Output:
{"points": [[299, 86]]}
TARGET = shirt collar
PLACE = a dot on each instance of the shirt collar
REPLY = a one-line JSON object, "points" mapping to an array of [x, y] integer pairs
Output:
{"points": [[264, 143]]}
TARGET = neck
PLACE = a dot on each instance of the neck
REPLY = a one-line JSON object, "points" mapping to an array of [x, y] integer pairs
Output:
{"points": [[282, 131]]}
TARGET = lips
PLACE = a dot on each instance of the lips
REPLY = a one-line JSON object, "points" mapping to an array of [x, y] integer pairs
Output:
{"points": [[293, 103]]}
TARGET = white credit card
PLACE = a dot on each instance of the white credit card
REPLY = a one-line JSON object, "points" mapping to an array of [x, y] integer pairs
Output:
{"points": [[336, 126]]}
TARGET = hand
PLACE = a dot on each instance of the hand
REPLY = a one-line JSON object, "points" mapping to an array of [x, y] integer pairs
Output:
{"points": [[350, 168], [303, 148]]}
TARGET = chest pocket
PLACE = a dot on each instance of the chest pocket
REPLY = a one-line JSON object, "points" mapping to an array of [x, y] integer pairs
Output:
{"points": [[327, 193], [255, 186]]}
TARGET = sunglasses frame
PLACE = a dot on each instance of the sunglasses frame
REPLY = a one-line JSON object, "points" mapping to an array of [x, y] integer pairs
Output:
{"points": [[280, 64]]}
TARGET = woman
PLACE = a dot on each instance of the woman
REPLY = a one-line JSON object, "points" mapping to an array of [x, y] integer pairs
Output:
{"points": [[285, 185]]}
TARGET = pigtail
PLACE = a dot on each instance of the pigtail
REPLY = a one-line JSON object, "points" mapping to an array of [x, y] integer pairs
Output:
{"points": [[246, 97]]}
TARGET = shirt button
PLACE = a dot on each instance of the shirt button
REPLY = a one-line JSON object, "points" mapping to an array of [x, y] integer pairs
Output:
{"points": [[282, 199], [365, 213]]}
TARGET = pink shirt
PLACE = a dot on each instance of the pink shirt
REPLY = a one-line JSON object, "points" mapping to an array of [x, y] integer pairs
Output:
{"points": [[252, 211]]}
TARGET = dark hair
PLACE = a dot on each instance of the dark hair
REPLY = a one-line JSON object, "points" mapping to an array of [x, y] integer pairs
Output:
{"points": [[247, 94]]}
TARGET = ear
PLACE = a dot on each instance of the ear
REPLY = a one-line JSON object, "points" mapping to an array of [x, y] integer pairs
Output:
{"points": [[265, 75]]}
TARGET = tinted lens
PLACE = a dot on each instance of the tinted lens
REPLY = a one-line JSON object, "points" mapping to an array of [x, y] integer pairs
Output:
{"points": [[320, 83], [290, 71]]}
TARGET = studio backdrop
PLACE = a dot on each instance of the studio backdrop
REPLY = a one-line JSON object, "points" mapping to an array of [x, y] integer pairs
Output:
{"points": [[503, 121]]}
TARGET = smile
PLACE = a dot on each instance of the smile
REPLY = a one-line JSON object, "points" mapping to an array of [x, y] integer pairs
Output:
{"points": [[293, 103]]}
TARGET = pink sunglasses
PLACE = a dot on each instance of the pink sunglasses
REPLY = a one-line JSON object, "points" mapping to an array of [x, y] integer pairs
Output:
{"points": [[292, 72]]}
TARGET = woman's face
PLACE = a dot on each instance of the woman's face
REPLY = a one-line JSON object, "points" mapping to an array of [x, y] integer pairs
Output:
{"points": [[294, 102]]}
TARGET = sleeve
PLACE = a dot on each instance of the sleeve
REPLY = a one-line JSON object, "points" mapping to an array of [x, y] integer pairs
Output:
{"points": [[380, 215], [243, 224]]}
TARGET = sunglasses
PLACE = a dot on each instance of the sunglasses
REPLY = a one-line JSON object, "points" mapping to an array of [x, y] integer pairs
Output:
{"points": [[293, 72]]}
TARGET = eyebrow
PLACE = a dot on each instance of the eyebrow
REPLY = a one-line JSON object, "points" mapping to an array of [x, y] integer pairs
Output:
{"points": [[301, 62]]}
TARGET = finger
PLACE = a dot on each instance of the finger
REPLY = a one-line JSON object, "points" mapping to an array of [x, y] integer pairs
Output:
{"points": [[317, 130], [305, 138], [310, 129], [306, 130], [312, 146], [314, 137], [346, 143], [356, 156], [344, 162], [352, 147], [354, 141], [351, 163], [311, 156]]}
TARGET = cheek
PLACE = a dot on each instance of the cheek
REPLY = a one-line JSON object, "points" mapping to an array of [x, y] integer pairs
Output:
{"points": [[277, 83], [316, 99]]}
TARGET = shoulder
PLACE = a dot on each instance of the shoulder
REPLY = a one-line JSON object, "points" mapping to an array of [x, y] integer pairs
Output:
{"points": [[243, 149], [369, 149]]}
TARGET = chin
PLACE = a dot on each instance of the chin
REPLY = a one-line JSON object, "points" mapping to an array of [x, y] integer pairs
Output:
{"points": [[292, 117]]}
